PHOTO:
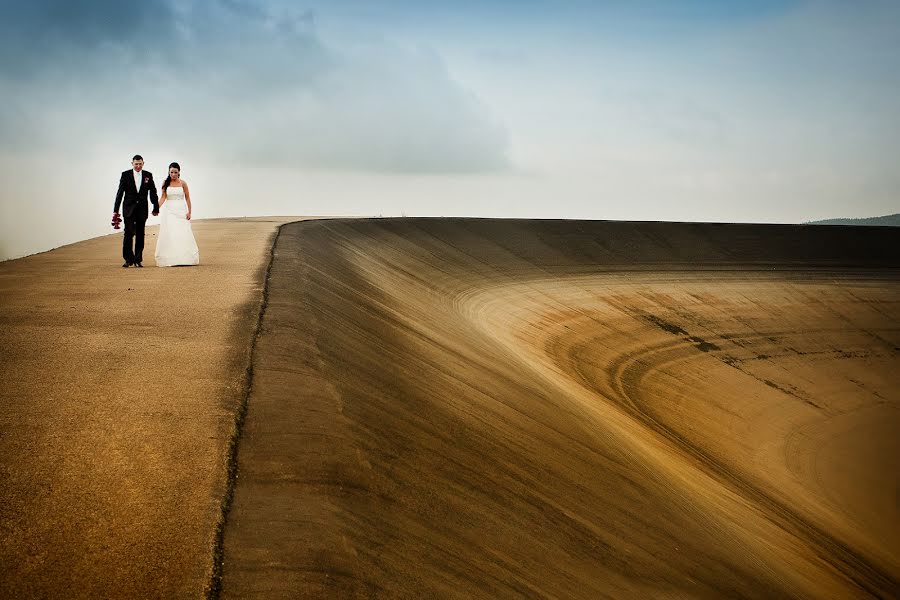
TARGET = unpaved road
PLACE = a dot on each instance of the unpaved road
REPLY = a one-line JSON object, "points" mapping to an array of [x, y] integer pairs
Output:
{"points": [[118, 391]]}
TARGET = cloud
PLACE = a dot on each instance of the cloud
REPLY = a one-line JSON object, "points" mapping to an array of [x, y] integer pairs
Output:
{"points": [[251, 83], [51, 36]]}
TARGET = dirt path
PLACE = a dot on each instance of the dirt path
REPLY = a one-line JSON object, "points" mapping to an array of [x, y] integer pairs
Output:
{"points": [[117, 403]]}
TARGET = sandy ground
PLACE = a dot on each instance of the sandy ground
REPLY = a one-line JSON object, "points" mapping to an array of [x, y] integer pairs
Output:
{"points": [[118, 397], [499, 409]]}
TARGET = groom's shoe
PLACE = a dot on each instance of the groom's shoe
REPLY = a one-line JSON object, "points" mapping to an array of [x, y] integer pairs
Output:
{"points": [[139, 265], [126, 265]]}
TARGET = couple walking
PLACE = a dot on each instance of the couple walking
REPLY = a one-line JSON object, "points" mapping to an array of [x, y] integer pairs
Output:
{"points": [[175, 244]]}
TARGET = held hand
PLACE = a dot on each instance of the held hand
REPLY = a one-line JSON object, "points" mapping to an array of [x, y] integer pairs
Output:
{"points": [[155, 213]]}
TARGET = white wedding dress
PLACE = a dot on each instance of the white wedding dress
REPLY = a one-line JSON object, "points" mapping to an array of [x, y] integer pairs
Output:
{"points": [[175, 244]]}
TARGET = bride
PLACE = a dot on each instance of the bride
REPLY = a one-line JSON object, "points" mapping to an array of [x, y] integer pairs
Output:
{"points": [[175, 244]]}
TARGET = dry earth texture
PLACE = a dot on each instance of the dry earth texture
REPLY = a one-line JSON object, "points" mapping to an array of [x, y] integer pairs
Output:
{"points": [[118, 394], [547, 409]]}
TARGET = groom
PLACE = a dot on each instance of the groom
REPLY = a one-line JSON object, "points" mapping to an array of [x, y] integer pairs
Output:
{"points": [[134, 185]]}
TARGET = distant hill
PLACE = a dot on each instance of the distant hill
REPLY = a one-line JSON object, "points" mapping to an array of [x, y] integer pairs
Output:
{"points": [[886, 220]]}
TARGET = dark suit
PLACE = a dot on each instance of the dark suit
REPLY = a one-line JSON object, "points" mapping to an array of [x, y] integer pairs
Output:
{"points": [[134, 211]]}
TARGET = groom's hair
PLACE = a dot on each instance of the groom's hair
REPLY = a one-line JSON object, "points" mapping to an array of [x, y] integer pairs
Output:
{"points": [[138, 157]]}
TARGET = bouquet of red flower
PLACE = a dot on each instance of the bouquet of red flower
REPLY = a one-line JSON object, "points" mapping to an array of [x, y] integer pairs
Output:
{"points": [[116, 221]]}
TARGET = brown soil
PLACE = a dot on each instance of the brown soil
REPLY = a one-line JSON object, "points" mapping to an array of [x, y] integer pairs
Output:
{"points": [[117, 404], [525, 409]]}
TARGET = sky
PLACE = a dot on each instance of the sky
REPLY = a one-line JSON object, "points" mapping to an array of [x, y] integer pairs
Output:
{"points": [[682, 110]]}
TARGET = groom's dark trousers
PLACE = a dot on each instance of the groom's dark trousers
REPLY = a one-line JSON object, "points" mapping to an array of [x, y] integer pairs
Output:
{"points": [[133, 200], [134, 231]]}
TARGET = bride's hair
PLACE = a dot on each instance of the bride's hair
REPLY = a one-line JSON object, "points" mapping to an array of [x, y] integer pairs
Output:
{"points": [[169, 177]]}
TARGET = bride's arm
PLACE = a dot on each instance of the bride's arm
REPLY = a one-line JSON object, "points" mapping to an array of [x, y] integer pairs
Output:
{"points": [[187, 198], [162, 199]]}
